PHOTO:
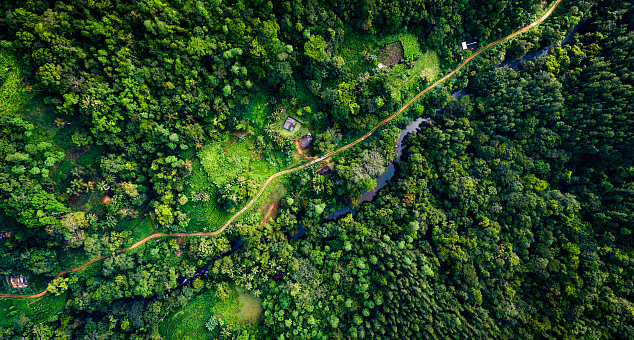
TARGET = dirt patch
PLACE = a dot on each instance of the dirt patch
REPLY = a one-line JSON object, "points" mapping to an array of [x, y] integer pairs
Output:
{"points": [[239, 133], [391, 54], [272, 211], [275, 195], [250, 308], [301, 151], [73, 153]]}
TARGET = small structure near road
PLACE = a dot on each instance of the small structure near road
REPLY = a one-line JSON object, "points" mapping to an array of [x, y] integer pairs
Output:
{"points": [[306, 142], [326, 171], [290, 123], [469, 45], [16, 281]]}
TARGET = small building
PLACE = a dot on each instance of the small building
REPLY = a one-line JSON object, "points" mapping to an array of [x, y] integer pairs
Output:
{"points": [[325, 171], [17, 281], [290, 123], [379, 66], [5, 234], [469, 44], [306, 142]]}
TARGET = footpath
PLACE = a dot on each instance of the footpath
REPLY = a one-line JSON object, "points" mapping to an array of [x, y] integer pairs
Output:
{"points": [[281, 173]]}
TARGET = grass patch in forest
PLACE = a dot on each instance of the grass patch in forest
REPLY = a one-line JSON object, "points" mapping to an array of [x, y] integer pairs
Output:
{"points": [[38, 310], [257, 111], [240, 311], [13, 94], [356, 49], [300, 130], [242, 155], [409, 42], [276, 193], [145, 228], [73, 258], [250, 308], [91, 157], [426, 67]]}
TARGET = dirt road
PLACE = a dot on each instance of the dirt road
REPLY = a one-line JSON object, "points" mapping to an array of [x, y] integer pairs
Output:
{"points": [[281, 173]]}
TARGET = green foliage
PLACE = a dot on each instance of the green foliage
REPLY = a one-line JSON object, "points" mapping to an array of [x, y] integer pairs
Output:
{"points": [[409, 41], [314, 48], [213, 323], [221, 167]]}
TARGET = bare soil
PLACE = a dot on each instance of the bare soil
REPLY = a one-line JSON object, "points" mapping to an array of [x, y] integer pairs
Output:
{"points": [[73, 153], [272, 211], [391, 54]]}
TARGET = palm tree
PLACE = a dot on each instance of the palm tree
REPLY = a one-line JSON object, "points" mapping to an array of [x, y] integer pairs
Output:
{"points": [[102, 186], [187, 165], [171, 116]]}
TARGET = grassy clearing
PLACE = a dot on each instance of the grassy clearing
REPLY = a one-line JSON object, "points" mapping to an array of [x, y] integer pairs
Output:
{"points": [[426, 67], [411, 47], [37, 310], [240, 311], [145, 228], [239, 157], [250, 308], [13, 94], [300, 130], [73, 258], [276, 193], [356, 49]]}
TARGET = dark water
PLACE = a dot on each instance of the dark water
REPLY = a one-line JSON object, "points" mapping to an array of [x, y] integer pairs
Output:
{"points": [[381, 182], [515, 63]]}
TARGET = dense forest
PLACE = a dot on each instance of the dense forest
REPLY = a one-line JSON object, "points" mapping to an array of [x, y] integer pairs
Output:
{"points": [[509, 214]]}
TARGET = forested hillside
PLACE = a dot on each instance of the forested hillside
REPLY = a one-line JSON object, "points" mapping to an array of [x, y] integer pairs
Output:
{"points": [[509, 214]]}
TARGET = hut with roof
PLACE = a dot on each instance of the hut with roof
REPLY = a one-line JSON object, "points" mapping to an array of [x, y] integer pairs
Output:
{"points": [[306, 142], [290, 123], [325, 171], [16, 281]]}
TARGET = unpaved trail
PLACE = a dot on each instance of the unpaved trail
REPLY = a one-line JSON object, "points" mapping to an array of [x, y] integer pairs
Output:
{"points": [[281, 173], [268, 214]]}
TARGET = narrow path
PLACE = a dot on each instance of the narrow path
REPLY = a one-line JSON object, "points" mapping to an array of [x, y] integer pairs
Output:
{"points": [[281, 173], [268, 214]]}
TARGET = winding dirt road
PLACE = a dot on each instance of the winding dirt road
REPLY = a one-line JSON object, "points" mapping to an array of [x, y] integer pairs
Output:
{"points": [[281, 173]]}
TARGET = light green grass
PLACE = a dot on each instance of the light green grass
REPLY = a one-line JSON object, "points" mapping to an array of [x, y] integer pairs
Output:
{"points": [[12, 86], [300, 130], [240, 311], [208, 216], [250, 308], [411, 47], [355, 48], [142, 230], [426, 67], [37, 310]]}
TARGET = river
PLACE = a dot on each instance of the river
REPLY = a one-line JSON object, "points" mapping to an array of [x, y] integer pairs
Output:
{"points": [[381, 182], [515, 63]]}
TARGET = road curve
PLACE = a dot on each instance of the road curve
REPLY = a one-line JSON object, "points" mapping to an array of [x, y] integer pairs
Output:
{"points": [[281, 173]]}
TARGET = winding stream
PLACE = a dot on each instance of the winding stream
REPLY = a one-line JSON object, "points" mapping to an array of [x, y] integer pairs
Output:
{"points": [[381, 182], [515, 63]]}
